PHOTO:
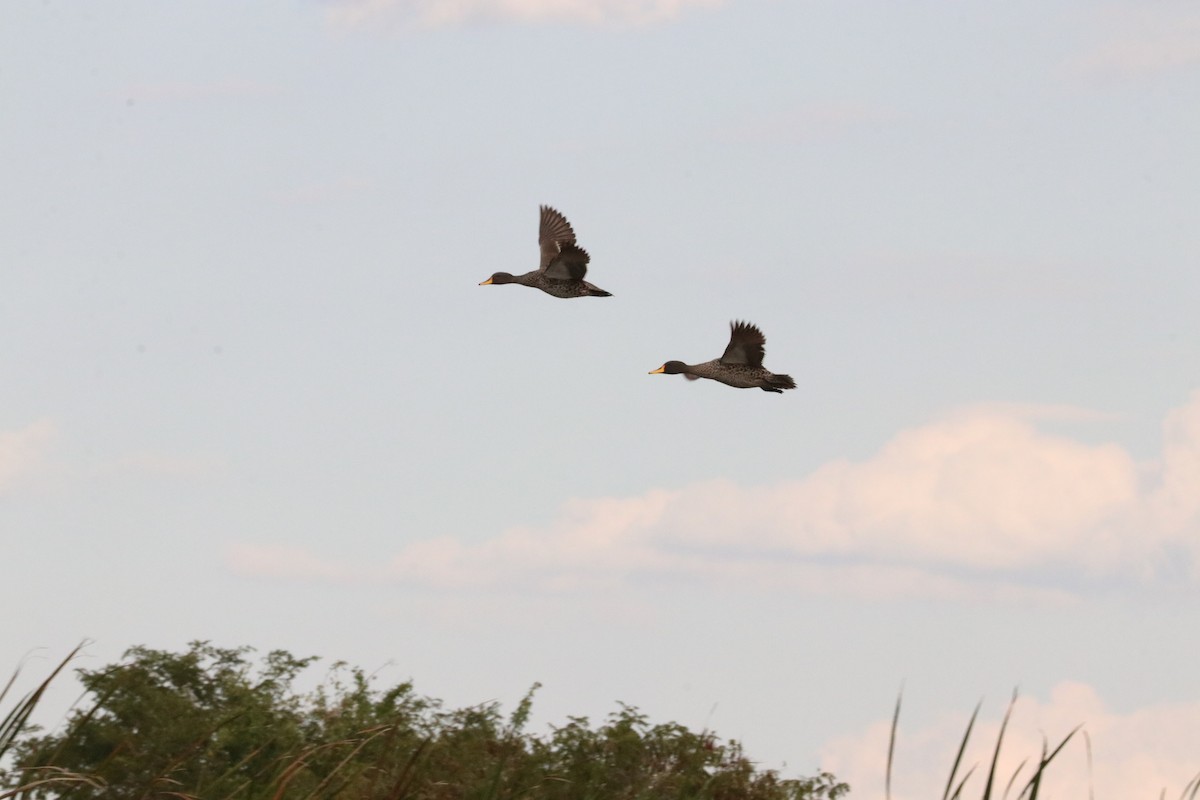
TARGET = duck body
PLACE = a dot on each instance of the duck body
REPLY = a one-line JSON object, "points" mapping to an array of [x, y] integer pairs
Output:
{"points": [[563, 265], [740, 376], [558, 287], [740, 366]]}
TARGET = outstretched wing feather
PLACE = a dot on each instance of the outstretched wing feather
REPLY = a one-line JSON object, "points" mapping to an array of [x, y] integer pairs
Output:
{"points": [[553, 233], [570, 264], [746, 345]]}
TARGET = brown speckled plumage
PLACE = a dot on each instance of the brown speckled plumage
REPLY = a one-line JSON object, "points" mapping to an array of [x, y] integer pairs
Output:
{"points": [[740, 365], [563, 263]]}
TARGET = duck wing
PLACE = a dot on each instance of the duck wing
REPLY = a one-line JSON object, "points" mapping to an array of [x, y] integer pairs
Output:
{"points": [[570, 264], [746, 345], [553, 233]]}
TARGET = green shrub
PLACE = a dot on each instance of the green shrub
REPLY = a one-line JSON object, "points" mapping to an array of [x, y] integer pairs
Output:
{"points": [[207, 723]]}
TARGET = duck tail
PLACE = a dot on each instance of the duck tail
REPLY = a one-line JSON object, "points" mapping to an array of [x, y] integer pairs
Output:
{"points": [[594, 292], [779, 382]]}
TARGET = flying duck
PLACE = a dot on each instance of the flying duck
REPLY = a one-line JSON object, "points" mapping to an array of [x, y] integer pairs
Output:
{"points": [[740, 365], [563, 263]]}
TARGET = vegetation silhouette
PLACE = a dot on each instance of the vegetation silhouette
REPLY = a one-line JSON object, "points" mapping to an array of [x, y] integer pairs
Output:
{"points": [[209, 723]]}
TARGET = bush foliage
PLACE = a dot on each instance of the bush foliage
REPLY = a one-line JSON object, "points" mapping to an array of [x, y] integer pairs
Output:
{"points": [[210, 723]]}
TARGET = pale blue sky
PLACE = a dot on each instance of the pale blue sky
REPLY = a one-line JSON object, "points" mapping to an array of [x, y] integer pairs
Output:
{"points": [[253, 393]]}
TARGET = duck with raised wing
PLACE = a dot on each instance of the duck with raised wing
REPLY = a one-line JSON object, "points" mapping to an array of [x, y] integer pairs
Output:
{"points": [[740, 365], [563, 262]]}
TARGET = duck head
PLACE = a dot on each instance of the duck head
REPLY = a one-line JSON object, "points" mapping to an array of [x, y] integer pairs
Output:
{"points": [[671, 368], [497, 278]]}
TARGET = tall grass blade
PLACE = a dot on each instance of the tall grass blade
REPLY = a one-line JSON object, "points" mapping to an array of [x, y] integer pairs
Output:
{"points": [[14, 722], [887, 783], [63, 779], [188, 752], [1035, 782], [342, 764], [963, 783], [962, 748], [991, 779], [400, 787], [379, 769], [1008, 786], [1193, 785], [233, 770], [1087, 744], [298, 765]]}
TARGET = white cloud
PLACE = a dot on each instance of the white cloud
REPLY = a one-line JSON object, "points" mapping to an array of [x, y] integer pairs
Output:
{"points": [[1144, 38], [980, 501], [452, 12], [1134, 754], [1175, 503], [20, 450], [279, 561]]}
